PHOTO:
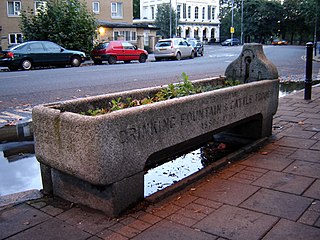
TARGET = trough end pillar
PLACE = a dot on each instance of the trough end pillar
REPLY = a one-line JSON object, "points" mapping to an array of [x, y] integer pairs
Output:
{"points": [[112, 199], [46, 179]]}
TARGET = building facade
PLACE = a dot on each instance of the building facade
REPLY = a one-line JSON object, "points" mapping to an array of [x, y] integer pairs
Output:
{"points": [[114, 18], [195, 18]]}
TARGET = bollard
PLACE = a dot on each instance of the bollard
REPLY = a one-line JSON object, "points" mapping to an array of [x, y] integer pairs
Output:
{"points": [[308, 81]]}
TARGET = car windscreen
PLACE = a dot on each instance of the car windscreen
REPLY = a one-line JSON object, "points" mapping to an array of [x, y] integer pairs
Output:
{"points": [[164, 44], [101, 46]]}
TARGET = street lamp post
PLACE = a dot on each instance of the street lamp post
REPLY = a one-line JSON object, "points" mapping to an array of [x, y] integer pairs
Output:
{"points": [[232, 28], [170, 20], [241, 22]]}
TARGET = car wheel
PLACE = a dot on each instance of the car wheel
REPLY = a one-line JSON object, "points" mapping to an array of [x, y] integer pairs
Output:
{"points": [[142, 58], [178, 56], [192, 55], [97, 62], [26, 64], [112, 60], [75, 61]]}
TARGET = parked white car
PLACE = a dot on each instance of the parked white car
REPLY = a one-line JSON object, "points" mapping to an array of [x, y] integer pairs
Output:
{"points": [[174, 48]]}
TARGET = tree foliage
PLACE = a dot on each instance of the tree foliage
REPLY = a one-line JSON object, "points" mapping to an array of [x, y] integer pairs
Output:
{"points": [[136, 9], [162, 20], [65, 22], [294, 20]]}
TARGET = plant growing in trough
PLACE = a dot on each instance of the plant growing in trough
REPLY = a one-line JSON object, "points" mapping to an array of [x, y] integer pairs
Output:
{"points": [[182, 89]]}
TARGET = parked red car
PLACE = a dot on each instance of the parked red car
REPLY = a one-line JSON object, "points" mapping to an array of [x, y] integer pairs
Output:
{"points": [[117, 51]]}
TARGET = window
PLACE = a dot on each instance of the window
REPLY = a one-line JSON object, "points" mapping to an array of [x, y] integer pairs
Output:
{"points": [[125, 35], [184, 10], [189, 12], [15, 38], [14, 8], [36, 48], [52, 47], [152, 12], [178, 11], [212, 11], [196, 12], [203, 12], [209, 12], [128, 46], [39, 5], [96, 7], [116, 10]]}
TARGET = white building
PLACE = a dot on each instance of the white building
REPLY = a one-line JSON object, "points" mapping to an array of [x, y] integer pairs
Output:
{"points": [[195, 18]]}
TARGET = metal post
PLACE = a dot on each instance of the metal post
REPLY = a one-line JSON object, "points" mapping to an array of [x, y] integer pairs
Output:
{"points": [[308, 81], [241, 21], [170, 20]]}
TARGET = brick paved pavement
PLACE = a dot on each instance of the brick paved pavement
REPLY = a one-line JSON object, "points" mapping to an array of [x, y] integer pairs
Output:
{"points": [[271, 194]]}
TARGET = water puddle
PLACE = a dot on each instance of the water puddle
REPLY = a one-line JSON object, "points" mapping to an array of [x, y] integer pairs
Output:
{"points": [[20, 171]]}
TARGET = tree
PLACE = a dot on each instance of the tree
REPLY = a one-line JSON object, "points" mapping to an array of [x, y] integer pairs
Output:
{"points": [[136, 9], [260, 19], [65, 22], [163, 20]]}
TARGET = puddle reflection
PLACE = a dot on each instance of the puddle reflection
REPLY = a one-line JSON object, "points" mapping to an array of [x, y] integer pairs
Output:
{"points": [[20, 171]]}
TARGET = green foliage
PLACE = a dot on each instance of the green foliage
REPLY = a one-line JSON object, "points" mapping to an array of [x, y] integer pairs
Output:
{"points": [[182, 89], [293, 20], [136, 9], [162, 20], [65, 22]]}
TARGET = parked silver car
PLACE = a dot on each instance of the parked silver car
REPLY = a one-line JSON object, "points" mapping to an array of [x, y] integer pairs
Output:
{"points": [[175, 48]]}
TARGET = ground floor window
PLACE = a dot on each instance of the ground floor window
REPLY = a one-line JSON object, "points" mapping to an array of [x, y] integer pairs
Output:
{"points": [[15, 38], [125, 35]]}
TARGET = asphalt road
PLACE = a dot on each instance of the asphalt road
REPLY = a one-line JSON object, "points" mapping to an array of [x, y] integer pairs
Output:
{"points": [[21, 90]]}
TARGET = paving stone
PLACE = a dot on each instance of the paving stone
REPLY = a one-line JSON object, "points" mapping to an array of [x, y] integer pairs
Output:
{"points": [[236, 223], [208, 203], [306, 155], [308, 169], [272, 161], [110, 235], [296, 142], [184, 200], [149, 218], [164, 211], [87, 219], [314, 190], [173, 231], [124, 230], [51, 230], [225, 191], [312, 214], [316, 146], [51, 210], [291, 118], [286, 229], [297, 132], [278, 204], [285, 182], [19, 218]]}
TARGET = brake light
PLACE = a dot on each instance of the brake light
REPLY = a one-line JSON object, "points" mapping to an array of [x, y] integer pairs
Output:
{"points": [[171, 44], [10, 54]]}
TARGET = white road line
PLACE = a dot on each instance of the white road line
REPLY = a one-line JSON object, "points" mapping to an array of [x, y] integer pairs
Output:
{"points": [[10, 115]]}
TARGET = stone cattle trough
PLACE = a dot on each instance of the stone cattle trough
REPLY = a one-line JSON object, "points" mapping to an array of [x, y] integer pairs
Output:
{"points": [[100, 161]]}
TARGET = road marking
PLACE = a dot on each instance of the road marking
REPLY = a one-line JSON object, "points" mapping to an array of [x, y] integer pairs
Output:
{"points": [[10, 115], [14, 76]]}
